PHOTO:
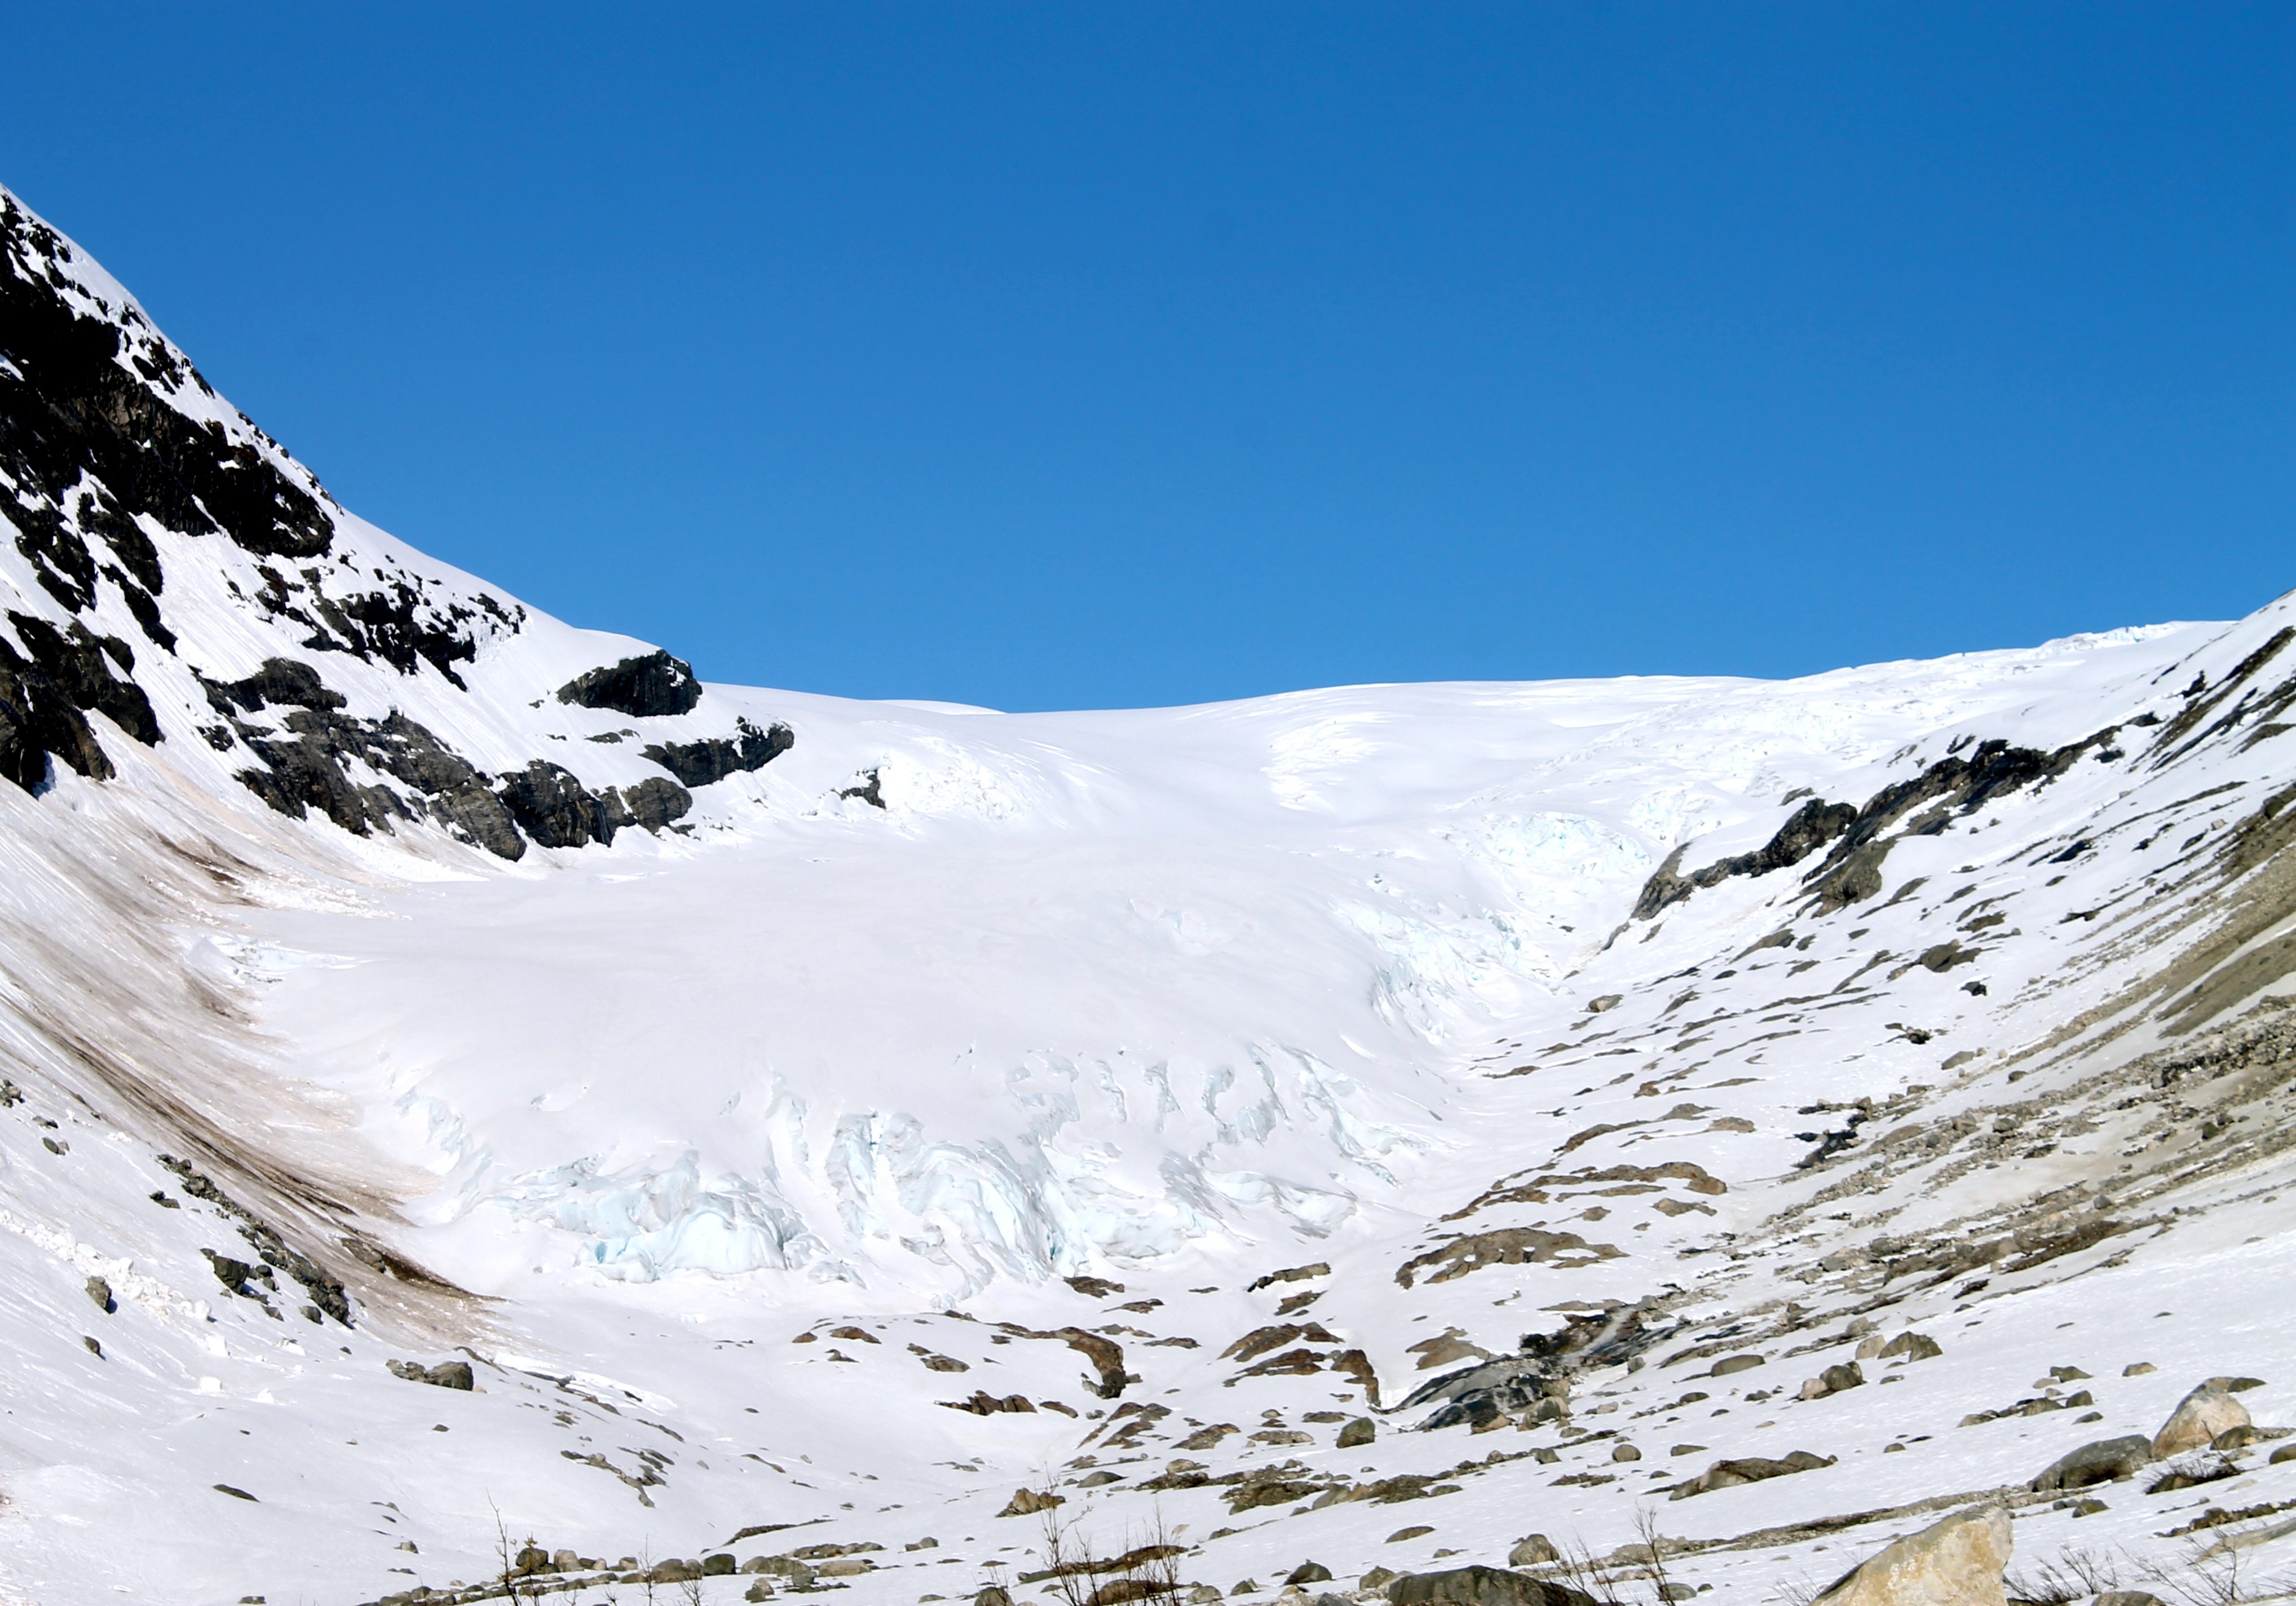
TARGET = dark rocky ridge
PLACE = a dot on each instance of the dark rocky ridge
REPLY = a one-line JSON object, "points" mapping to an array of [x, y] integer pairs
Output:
{"points": [[715, 758], [96, 448], [304, 767], [1851, 872], [106, 436]]}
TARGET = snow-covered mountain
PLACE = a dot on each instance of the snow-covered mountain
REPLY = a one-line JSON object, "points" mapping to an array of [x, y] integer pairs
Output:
{"points": [[1534, 1105]]}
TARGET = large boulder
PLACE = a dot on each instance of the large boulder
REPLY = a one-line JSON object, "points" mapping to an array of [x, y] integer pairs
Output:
{"points": [[1956, 1562], [1480, 1586], [2106, 1461], [2198, 1417]]}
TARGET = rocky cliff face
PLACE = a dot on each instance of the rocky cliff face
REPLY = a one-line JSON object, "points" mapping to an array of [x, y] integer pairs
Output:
{"points": [[128, 471], [1671, 1135]]}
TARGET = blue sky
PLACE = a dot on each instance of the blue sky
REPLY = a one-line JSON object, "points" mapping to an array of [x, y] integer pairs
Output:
{"points": [[1083, 356]]}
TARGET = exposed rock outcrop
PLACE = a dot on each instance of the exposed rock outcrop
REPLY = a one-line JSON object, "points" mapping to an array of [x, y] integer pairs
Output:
{"points": [[714, 758], [652, 684]]}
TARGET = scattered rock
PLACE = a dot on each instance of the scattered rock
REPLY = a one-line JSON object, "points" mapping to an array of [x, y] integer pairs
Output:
{"points": [[2106, 1461], [1360, 1432], [224, 1488], [2198, 1417], [2191, 1469], [1533, 1550], [1625, 1452], [446, 1375], [1914, 1347], [984, 1404], [1480, 1586], [1312, 1572], [1730, 1363], [1027, 1502], [1420, 1531], [1956, 1562], [2138, 1369], [1093, 1288], [1730, 1473], [99, 1290], [1378, 1578], [93, 1347], [1834, 1380]]}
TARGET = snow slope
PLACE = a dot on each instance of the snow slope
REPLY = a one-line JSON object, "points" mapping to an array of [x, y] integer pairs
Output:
{"points": [[732, 1110]]}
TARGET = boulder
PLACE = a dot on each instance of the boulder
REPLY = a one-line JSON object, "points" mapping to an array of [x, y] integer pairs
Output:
{"points": [[2128, 1597], [1480, 1586], [1027, 1502], [1728, 1474], [1834, 1380], [1914, 1347], [1309, 1572], [2106, 1461], [2191, 1469], [1378, 1578], [2198, 1417], [1360, 1432], [1533, 1550], [100, 1291], [1730, 1363], [993, 1596], [1956, 1562], [446, 1375]]}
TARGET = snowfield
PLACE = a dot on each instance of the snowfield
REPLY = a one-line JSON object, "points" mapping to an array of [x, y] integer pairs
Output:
{"points": [[1362, 1126]]}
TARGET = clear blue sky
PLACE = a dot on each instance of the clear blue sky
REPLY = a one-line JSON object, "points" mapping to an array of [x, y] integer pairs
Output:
{"points": [[1100, 355]]}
